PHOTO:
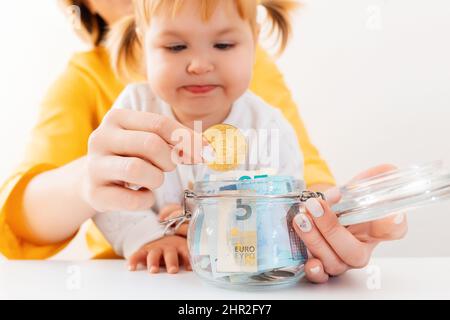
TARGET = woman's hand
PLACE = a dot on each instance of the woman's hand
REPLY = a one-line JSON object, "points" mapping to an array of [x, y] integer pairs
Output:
{"points": [[167, 251], [134, 148], [333, 248]]}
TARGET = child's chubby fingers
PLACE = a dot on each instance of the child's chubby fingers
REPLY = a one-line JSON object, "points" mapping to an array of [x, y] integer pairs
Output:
{"points": [[184, 255], [171, 210], [154, 260], [171, 259], [136, 259], [168, 250], [167, 211], [183, 230], [315, 272]]}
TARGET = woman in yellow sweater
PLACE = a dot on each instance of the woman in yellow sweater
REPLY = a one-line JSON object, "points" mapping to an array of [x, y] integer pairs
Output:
{"points": [[44, 202]]}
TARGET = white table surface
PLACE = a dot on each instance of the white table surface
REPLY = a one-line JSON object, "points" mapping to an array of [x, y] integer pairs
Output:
{"points": [[384, 278]]}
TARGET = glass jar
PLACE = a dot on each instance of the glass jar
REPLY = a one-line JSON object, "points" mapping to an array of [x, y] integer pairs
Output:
{"points": [[241, 233]]}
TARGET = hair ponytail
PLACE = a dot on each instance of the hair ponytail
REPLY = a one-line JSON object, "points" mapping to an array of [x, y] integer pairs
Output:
{"points": [[90, 26], [278, 12], [126, 50]]}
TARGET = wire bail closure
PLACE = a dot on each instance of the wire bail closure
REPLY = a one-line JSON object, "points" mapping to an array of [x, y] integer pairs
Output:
{"points": [[173, 224]]}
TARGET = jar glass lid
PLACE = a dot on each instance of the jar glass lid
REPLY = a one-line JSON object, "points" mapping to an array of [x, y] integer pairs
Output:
{"points": [[392, 192]]}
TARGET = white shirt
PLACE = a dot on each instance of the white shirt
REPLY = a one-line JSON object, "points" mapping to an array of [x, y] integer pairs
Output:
{"points": [[128, 231]]}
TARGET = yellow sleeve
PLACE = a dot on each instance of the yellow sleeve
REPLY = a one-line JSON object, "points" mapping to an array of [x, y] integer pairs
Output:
{"points": [[269, 84], [65, 121]]}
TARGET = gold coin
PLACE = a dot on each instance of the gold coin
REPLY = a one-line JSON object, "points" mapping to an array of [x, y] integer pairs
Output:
{"points": [[229, 145]]}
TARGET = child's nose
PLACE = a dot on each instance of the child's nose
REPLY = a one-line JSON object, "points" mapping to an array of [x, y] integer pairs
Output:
{"points": [[200, 66]]}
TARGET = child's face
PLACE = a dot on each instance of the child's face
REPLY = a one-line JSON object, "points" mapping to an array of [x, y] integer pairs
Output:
{"points": [[200, 67]]}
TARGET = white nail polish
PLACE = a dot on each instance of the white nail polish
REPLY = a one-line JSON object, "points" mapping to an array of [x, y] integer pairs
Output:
{"points": [[399, 218], [303, 222], [332, 194], [208, 154], [314, 207], [315, 270]]}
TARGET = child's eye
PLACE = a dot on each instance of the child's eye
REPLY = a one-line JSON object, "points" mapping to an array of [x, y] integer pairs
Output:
{"points": [[224, 46], [176, 48]]}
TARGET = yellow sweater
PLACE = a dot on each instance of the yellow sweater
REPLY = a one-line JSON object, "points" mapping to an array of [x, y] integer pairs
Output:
{"points": [[75, 106]]}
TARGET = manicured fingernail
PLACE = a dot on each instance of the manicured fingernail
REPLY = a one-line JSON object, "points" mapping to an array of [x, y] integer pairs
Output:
{"points": [[131, 268], [314, 207], [303, 222], [332, 194], [315, 270], [399, 218], [208, 154]]}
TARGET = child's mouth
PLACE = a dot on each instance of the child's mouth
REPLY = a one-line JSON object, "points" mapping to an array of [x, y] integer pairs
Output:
{"points": [[200, 89]]}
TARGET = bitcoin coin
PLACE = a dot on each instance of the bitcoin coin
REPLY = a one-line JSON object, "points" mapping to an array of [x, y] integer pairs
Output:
{"points": [[230, 147]]}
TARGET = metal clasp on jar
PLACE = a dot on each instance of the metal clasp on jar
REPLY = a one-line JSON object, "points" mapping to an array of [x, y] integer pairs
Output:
{"points": [[311, 194], [172, 225]]}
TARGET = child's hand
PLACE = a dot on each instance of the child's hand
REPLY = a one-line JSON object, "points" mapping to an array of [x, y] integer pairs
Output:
{"points": [[133, 148], [172, 211], [167, 251]]}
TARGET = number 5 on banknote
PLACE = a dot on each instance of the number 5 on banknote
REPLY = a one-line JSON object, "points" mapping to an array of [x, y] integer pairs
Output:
{"points": [[246, 207]]}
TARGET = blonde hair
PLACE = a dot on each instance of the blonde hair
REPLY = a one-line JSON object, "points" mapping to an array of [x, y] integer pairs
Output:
{"points": [[92, 27], [124, 43]]}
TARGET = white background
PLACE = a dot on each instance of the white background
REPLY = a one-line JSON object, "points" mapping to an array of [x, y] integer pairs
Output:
{"points": [[371, 77]]}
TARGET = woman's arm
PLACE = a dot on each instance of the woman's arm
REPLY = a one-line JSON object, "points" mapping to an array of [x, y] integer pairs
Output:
{"points": [[52, 207], [41, 206]]}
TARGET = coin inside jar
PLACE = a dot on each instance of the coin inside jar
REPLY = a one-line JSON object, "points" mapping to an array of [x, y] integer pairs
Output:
{"points": [[230, 147]]}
